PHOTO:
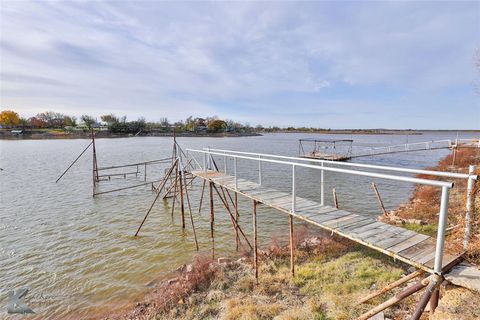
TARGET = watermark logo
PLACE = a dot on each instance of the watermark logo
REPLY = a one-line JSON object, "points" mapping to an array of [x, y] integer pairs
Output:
{"points": [[15, 303]]}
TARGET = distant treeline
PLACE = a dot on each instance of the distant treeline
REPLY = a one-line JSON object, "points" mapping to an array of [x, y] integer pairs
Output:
{"points": [[110, 122], [54, 120]]}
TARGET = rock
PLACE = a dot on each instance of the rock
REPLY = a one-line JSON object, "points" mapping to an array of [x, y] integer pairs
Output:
{"points": [[172, 281], [242, 260], [311, 242], [415, 221], [189, 268], [224, 260]]}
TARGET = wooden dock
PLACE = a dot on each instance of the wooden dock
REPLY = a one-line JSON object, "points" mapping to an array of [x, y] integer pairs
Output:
{"points": [[408, 246], [400, 148]]}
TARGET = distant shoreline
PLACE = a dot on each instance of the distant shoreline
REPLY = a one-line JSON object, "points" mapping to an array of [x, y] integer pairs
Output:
{"points": [[109, 135], [6, 134]]}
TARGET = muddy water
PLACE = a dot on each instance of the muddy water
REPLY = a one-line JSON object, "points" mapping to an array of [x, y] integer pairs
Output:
{"points": [[77, 254]]}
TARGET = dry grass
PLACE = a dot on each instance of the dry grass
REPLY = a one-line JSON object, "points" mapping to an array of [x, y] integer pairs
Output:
{"points": [[425, 205]]}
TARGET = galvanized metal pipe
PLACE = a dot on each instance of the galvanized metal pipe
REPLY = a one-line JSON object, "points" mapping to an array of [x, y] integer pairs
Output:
{"points": [[468, 213], [358, 165], [235, 172], [435, 183], [225, 163], [259, 170], [322, 188], [442, 224], [294, 191], [204, 164]]}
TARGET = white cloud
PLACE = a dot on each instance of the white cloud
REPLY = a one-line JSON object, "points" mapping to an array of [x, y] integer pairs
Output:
{"points": [[173, 59]]}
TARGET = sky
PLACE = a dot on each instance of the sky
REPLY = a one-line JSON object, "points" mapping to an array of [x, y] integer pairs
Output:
{"points": [[338, 64]]}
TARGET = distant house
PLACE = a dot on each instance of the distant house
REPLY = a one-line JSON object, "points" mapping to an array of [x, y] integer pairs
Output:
{"points": [[83, 127], [201, 125]]}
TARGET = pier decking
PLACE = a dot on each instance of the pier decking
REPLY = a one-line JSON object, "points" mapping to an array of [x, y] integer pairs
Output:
{"points": [[408, 246], [385, 150]]}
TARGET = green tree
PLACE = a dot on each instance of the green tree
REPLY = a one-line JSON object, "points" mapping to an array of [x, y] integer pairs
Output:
{"points": [[217, 126], [70, 121], [190, 124], [88, 120], [109, 118]]}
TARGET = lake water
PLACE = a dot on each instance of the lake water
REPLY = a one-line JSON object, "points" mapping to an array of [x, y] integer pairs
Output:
{"points": [[77, 254]]}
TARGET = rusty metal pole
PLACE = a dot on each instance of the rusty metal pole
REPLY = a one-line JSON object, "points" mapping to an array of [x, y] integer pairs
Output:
{"points": [[212, 220], [292, 257], [434, 300], [201, 197], [431, 288], [380, 202], [175, 190], [237, 216], [94, 161], [255, 246], [335, 200], [74, 161], [182, 204]]}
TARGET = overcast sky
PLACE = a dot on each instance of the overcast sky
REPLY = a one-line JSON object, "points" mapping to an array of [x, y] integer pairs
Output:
{"points": [[396, 64]]}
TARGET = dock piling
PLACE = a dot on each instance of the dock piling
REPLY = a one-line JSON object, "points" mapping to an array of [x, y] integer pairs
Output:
{"points": [[380, 202], [335, 200], [212, 220], [292, 257]]}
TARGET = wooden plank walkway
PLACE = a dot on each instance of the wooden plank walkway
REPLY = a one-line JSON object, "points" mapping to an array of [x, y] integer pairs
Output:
{"points": [[408, 246]]}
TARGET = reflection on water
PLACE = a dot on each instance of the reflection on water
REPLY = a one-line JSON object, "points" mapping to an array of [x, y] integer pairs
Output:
{"points": [[77, 253]]}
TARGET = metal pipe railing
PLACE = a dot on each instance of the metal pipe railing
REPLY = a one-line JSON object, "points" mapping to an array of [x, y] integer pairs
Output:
{"points": [[358, 165], [440, 244]]}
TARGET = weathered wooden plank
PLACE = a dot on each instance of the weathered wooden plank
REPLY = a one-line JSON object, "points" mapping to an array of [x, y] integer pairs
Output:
{"points": [[396, 239], [323, 210], [447, 258], [357, 220], [408, 243], [310, 208], [362, 229], [280, 201], [261, 193], [365, 222], [425, 256], [336, 221], [315, 213], [417, 249], [380, 235], [368, 233], [328, 216], [308, 205]]}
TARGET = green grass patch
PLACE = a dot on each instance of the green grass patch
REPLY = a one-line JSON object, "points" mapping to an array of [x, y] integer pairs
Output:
{"points": [[428, 229], [339, 282]]}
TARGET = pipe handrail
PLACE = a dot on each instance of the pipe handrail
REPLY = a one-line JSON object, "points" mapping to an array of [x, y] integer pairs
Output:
{"points": [[435, 183], [360, 165], [445, 186]]}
